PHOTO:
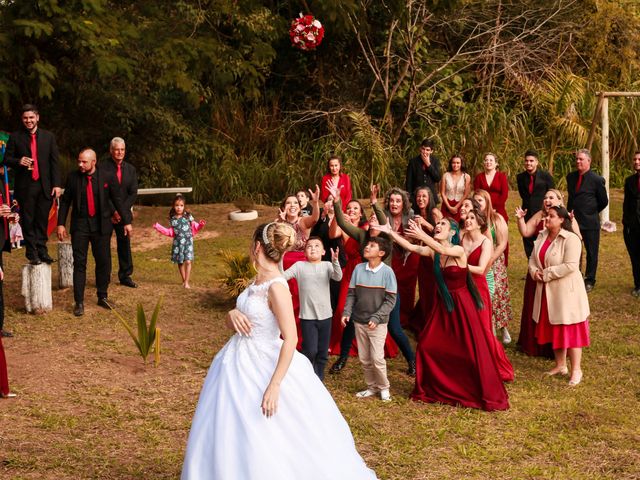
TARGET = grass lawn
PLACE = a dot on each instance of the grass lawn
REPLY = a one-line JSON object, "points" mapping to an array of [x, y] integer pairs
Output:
{"points": [[88, 407]]}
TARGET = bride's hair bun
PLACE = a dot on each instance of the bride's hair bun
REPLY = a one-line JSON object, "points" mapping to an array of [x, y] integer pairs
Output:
{"points": [[276, 239]]}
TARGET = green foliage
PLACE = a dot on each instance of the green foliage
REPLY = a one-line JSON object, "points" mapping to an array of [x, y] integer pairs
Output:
{"points": [[148, 335], [240, 272]]}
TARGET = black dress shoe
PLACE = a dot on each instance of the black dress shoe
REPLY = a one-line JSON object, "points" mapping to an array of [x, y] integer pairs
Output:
{"points": [[411, 369], [127, 282], [339, 365], [6, 333], [78, 310], [47, 259], [35, 261], [106, 303]]}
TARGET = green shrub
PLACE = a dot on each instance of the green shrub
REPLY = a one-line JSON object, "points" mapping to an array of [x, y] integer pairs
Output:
{"points": [[148, 336], [240, 272]]}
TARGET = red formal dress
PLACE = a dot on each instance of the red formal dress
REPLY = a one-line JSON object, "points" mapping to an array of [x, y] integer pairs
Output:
{"points": [[527, 339], [454, 360], [290, 258], [499, 192], [4, 377], [504, 365], [426, 292], [345, 192], [560, 336], [405, 267], [352, 252]]}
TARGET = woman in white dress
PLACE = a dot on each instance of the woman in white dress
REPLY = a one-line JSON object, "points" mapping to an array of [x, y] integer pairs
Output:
{"points": [[262, 412]]}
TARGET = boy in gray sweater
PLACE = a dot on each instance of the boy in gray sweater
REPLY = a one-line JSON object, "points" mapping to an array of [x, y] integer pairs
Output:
{"points": [[315, 301], [371, 297]]}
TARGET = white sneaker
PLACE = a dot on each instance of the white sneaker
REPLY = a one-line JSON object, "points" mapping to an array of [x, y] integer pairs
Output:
{"points": [[385, 395], [365, 393]]}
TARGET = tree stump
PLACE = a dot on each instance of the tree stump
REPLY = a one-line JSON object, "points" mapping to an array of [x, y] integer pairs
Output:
{"points": [[36, 288], [65, 265]]}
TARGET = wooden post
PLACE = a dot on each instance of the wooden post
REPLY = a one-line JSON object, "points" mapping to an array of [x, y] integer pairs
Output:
{"points": [[36, 288], [604, 216], [65, 265]]}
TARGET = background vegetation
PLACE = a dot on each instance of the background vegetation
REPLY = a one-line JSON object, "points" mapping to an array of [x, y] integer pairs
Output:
{"points": [[209, 93]]}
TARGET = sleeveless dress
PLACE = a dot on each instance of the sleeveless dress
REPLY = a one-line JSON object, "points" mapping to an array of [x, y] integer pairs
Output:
{"points": [[230, 438], [527, 342], [502, 314], [454, 191], [182, 249], [427, 289], [405, 266], [504, 365], [454, 361]]}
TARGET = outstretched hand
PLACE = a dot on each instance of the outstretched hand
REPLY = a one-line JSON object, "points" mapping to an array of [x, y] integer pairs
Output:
{"points": [[334, 254], [386, 228], [315, 195], [373, 197], [333, 188], [520, 213], [282, 215]]}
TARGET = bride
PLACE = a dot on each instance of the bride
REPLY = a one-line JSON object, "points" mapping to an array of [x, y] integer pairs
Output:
{"points": [[262, 412]]}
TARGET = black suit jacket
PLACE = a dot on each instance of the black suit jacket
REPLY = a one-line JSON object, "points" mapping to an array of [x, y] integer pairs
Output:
{"points": [[19, 145], [631, 203], [108, 194], [532, 202], [418, 177], [129, 185], [589, 201]]}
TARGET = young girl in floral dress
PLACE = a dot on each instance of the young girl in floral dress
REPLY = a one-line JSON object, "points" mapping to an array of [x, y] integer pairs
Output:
{"points": [[182, 229]]}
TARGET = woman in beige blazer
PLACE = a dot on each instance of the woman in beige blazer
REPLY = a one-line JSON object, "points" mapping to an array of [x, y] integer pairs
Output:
{"points": [[561, 306]]}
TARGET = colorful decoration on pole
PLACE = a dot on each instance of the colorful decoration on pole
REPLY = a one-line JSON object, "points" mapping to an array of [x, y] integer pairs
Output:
{"points": [[306, 32]]}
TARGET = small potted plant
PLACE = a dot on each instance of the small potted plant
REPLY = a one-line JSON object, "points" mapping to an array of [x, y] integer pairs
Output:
{"points": [[246, 210]]}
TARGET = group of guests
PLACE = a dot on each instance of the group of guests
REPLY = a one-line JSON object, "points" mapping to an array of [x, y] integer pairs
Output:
{"points": [[99, 196], [457, 257]]}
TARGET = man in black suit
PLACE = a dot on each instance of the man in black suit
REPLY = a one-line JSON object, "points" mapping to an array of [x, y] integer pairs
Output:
{"points": [[587, 198], [32, 153], [125, 173], [422, 170], [92, 192], [631, 221], [533, 183]]}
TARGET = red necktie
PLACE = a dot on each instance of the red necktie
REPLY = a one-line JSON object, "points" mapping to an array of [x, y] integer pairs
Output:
{"points": [[35, 173], [579, 183], [91, 206], [119, 173], [639, 183], [530, 184]]}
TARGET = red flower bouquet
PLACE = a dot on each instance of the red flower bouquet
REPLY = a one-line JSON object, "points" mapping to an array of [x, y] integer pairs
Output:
{"points": [[306, 32]]}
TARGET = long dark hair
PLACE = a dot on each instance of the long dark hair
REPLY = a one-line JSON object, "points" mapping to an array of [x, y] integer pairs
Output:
{"points": [[179, 198], [443, 290], [564, 214], [430, 205]]}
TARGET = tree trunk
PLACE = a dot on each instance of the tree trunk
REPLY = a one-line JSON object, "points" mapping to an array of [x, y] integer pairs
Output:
{"points": [[36, 288], [65, 265]]}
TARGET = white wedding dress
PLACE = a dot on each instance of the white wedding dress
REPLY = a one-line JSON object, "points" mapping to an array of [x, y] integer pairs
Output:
{"points": [[231, 439]]}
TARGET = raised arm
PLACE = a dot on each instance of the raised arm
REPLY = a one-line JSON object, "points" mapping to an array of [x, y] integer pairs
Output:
{"points": [[528, 228], [308, 222]]}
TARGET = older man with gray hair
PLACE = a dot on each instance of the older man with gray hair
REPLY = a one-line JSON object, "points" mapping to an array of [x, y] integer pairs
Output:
{"points": [[587, 198], [125, 173]]}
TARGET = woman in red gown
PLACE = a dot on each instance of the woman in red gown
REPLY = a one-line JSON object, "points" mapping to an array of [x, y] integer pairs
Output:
{"points": [[290, 213], [455, 362], [561, 305], [426, 216], [4, 377], [479, 249], [334, 174], [497, 184]]}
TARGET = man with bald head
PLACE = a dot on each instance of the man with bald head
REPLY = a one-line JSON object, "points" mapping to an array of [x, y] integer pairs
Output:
{"points": [[92, 193]]}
